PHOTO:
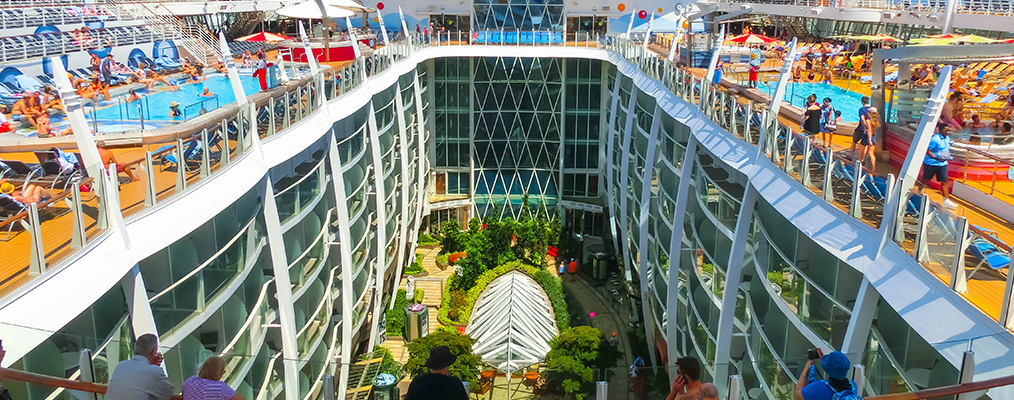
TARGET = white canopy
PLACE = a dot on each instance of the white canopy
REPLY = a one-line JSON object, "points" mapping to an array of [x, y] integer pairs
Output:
{"points": [[666, 23], [512, 323], [310, 10]]}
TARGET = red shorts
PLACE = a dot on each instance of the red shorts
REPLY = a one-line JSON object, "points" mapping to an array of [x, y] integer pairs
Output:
{"points": [[753, 74]]}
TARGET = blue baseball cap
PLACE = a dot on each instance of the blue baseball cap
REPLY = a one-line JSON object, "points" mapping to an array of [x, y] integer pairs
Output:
{"points": [[836, 365]]}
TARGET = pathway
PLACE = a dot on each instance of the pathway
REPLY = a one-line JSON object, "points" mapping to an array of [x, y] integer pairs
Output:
{"points": [[432, 296]]}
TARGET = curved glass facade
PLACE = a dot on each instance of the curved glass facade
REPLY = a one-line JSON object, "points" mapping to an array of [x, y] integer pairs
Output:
{"points": [[281, 281]]}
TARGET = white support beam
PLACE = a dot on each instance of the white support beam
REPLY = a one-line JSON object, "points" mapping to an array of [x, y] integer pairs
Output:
{"points": [[345, 242], [283, 290], [676, 252], [628, 129], [733, 276], [861, 320], [381, 198], [646, 261]]}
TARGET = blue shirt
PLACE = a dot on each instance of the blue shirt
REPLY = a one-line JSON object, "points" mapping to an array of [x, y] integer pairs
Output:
{"points": [[940, 146], [817, 390]]}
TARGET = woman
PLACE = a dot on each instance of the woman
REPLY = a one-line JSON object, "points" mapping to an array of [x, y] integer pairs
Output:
{"points": [[247, 59], [29, 193], [828, 122], [207, 384], [811, 116], [51, 99], [874, 116]]}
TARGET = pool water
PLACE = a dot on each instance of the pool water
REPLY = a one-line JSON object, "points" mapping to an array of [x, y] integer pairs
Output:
{"points": [[847, 102], [154, 105]]}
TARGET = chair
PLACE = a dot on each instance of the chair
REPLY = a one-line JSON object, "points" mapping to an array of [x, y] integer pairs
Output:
{"points": [[20, 169], [57, 165], [987, 253], [10, 207]]}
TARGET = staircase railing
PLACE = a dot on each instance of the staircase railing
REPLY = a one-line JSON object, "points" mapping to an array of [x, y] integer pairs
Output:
{"points": [[195, 38]]}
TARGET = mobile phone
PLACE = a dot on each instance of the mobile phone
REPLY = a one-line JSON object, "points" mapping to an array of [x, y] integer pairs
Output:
{"points": [[812, 354]]}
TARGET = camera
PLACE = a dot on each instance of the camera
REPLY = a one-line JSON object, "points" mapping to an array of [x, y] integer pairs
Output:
{"points": [[813, 354]]}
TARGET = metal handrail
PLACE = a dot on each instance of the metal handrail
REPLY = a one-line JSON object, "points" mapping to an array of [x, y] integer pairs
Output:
{"points": [[51, 381], [949, 390]]}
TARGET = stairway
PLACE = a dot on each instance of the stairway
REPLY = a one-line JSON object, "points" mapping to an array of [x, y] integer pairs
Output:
{"points": [[796, 27], [194, 37]]}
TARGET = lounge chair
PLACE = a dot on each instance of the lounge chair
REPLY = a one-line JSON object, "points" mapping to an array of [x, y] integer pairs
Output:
{"points": [[10, 207], [19, 169], [987, 253]]}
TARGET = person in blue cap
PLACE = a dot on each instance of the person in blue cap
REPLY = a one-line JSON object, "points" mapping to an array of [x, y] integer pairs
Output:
{"points": [[837, 386]]}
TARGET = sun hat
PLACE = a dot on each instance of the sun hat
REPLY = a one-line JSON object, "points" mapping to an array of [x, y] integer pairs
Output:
{"points": [[836, 365], [6, 187], [440, 358], [174, 104]]}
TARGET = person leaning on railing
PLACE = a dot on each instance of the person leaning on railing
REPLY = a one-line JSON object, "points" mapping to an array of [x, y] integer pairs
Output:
{"points": [[141, 377]]}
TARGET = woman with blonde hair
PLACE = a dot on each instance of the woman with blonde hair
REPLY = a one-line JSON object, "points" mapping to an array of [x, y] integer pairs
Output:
{"points": [[207, 384], [874, 116]]}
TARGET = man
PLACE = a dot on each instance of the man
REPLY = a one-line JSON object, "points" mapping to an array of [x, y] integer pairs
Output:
{"points": [[688, 385], [133, 96], [109, 159], [106, 68], [828, 122], [141, 377], [262, 70], [755, 62], [23, 110], [142, 76], [836, 366], [938, 154], [206, 92], [952, 107], [437, 384], [862, 134]]}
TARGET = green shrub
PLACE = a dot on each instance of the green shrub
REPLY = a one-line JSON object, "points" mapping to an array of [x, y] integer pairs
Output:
{"points": [[466, 367], [427, 240], [416, 267], [456, 304], [442, 261], [388, 366], [396, 316], [574, 356]]}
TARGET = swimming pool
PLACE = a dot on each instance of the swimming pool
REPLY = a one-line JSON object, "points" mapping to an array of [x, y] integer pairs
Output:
{"points": [[154, 105], [847, 102]]}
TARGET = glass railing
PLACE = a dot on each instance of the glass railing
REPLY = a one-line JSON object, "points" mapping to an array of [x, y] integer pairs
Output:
{"points": [[301, 194], [311, 334], [305, 266], [922, 227], [188, 296], [249, 340]]}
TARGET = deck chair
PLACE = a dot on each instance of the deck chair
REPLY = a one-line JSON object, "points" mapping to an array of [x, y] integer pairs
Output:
{"points": [[55, 165], [10, 207], [987, 253], [19, 169]]}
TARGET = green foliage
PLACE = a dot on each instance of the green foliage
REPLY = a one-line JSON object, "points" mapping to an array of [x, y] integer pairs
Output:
{"points": [[427, 240], [456, 303], [466, 367], [708, 269], [416, 267], [396, 316], [388, 366], [442, 261], [452, 242], [572, 356]]}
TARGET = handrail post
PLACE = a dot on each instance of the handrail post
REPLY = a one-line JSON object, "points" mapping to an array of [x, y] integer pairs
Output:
{"points": [[920, 233], [735, 387], [958, 276], [804, 173], [149, 179], [226, 154], [87, 370], [859, 377], [205, 155], [1007, 308], [38, 261], [855, 204], [181, 167], [285, 124], [328, 386], [966, 373], [828, 171], [789, 138], [78, 237]]}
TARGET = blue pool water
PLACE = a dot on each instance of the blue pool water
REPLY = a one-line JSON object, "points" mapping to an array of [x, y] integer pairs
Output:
{"points": [[155, 105], [847, 102]]}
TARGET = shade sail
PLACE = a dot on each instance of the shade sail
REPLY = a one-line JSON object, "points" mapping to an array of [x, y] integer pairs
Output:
{"points": [[263, 37], [310, 10], [751, 39], [512, 323]]}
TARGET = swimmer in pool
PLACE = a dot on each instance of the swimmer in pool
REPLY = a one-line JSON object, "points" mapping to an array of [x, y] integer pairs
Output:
{"points": [[976, 122], [174, 110], [206, 92], [133, 96]]}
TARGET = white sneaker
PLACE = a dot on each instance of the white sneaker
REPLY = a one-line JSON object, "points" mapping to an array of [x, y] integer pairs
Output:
{"points": [[950, 204]]}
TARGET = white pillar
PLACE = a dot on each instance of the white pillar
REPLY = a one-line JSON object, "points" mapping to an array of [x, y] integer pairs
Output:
{"points": [[628, 128], [733, 276], [642, 225], [861, 321], [283, 290], [346, 242], [683, 194], [381, 228], [776, 98]]}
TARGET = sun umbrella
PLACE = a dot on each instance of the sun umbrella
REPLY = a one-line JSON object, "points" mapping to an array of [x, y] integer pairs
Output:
{"points": [[943, 36], [263, 37], [931, 42], [310, 10], [751, 39], [1011, 40], [972, 39], [882, 38]]}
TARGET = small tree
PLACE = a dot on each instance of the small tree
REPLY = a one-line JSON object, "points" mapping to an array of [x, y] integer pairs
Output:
{"points": [[466, 367], [452, 238], [572, 356]]}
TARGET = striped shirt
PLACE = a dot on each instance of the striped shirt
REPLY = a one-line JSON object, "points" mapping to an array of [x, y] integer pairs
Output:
{"points": [[203, 389]]}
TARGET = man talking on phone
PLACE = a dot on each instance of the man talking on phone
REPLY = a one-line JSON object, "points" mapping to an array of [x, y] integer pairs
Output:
{"points": [[141, 377], [687, 385]]}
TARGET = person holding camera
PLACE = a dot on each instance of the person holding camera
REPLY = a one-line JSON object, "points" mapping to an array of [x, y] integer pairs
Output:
{"points": [[837, 386], [688, 385]]}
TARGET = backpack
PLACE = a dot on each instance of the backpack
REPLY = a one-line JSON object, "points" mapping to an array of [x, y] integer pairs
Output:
{"points": [[847, 394], [831, 124]]}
